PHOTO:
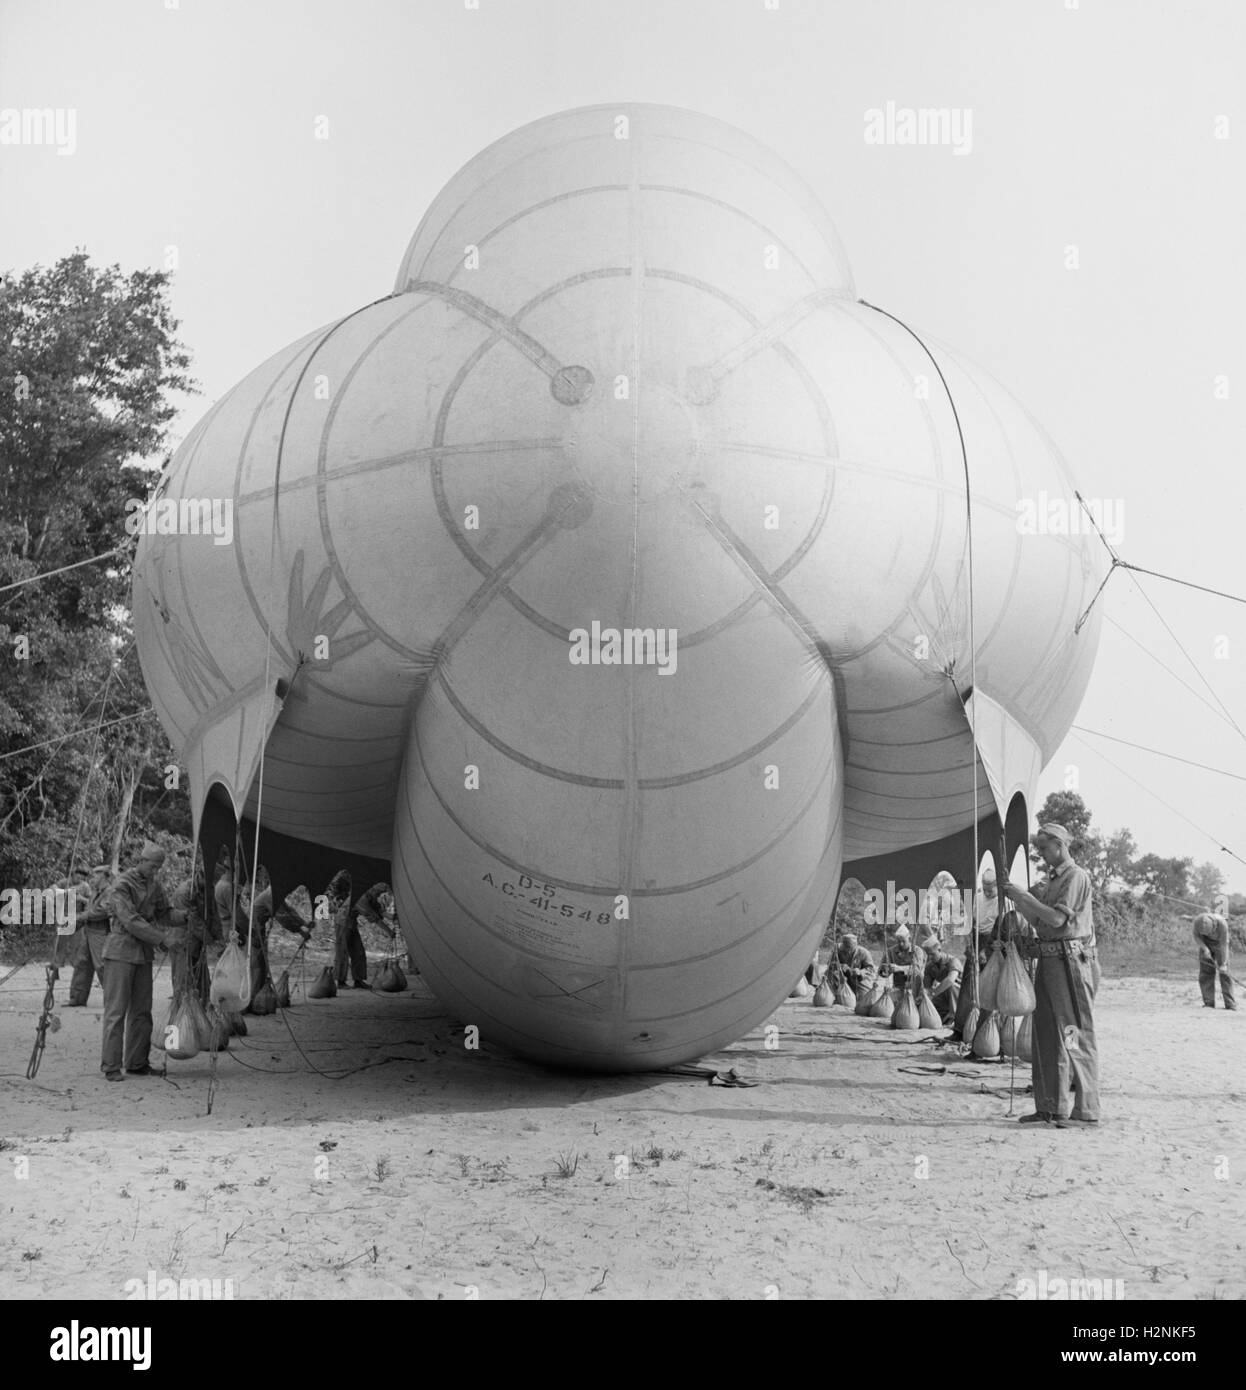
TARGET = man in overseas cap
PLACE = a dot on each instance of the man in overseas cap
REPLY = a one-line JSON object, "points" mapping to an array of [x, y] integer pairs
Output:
{"points": [[942, 981], [855, 962], [1211, 933], [1066, 1056], [89, 958], [141, 919]]}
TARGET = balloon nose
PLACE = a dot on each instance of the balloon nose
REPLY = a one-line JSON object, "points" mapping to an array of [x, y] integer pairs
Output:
{"points": [[642, 447]]}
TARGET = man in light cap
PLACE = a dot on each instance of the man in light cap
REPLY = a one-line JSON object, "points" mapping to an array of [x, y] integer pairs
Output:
{"points": [[141, 919], [940, 912], [987, 918], [988, 900], [904, 962], [1066, 1055]]}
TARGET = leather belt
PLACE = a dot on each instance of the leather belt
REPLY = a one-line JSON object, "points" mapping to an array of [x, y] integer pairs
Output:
{"points": [[1067, 948], [95, 921]]}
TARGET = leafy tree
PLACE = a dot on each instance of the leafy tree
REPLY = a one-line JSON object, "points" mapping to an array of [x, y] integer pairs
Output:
{"points": [[1206, 883], [1109, 859], [849, 914], [89, 362], [1160, 877]]}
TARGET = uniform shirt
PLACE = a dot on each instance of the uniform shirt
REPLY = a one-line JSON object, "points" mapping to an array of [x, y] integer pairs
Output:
{"points": [[901, 951], [229, 916], [283, 916], [140, 916], [1212, 930], [261, 908], [906, 957], [941, 968], [369, 906], [91, 899], [1068, 891], [339, 910], [186, 898], [857, 959]]}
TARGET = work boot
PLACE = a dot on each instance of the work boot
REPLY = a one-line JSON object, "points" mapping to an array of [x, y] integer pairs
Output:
{"points": [[148, 1070], [1041, 1117], [112, 1076]]}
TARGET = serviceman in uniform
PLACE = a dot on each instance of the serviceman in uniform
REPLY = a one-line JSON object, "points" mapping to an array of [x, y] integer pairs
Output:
{"points": [[263, 916], [1211, 932], [988, 900], [855, 962], [230, 912], [987, 917], [141, 919], [189, 961], [92, 911], [348, 944], [940, 914], [1066, 1055], [904, 962], [942, 981]]}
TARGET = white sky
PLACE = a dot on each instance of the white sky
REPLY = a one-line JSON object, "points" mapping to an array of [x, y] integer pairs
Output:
{"points": [[1093, 126]]}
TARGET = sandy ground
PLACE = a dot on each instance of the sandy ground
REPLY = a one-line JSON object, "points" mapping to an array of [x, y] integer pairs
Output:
{"points": [[436, 1173]]}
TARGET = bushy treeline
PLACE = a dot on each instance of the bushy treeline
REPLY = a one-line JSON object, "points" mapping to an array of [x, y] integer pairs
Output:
{"points": [[90, 365]]}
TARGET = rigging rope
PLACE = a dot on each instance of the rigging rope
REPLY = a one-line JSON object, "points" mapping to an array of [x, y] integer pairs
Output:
{"points": [[64, 569], [1159, 661], [1207, 833], [1118, 563], [77, 733], [1187, 583], [1159, 752], [1190, 659], [973, 646]]}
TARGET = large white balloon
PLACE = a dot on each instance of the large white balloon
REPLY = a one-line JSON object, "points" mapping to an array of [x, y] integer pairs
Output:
{"points": [[623, 385]]}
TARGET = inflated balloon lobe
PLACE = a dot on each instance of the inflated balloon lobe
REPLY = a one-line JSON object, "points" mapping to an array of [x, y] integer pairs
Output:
{"points": [[612, 570]]}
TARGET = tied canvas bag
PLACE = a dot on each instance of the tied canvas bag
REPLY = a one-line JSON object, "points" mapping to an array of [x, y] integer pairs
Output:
{"points": [[231, 980]]}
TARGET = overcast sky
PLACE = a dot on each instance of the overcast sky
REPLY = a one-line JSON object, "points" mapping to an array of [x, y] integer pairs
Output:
{"points": [[1095, 127]]}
